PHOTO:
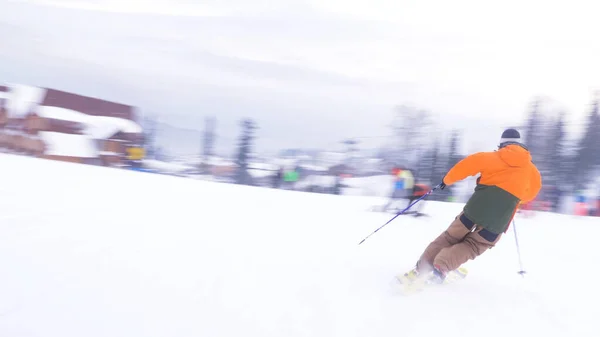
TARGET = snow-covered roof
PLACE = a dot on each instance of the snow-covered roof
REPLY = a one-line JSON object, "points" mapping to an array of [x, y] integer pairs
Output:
{"points": [[314, 167], [97, 127], [69, 145], [195, 160], [285, 162], [374, 160], [123, 125], [166, 166], [61, 113], [218, 161], [317, 180], [331, 158], [303, 157], [263, 166], [22, 98], [255, 173], [192, 160]]}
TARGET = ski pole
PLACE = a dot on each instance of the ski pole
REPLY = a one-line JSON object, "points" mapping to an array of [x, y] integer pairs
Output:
{"points": [[521, 271], [402, 212]]}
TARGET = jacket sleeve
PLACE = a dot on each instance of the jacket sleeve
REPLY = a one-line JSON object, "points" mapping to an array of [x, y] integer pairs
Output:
{"points": [[535, 185], [469, 166]]}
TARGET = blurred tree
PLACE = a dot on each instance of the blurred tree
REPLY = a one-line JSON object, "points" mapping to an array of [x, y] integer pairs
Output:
{"points": [[542, 140], [555, 151], [437, 163], [533, 137], [438, 168], [586, 160], [410, 129], [351, 159], [453, 158], [453, 155], [208, 141], [244, 150], [432, 166], [557, 164], [149, 126], [424, 170]]}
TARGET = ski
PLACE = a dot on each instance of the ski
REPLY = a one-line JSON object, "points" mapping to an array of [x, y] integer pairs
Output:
{"points": [[410, 284]]}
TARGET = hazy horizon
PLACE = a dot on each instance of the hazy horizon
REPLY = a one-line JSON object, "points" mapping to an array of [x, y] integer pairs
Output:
{"points": [[311, 73]]}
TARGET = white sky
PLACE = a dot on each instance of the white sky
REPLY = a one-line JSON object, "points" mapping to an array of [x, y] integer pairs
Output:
{"points": [[343, 62]]}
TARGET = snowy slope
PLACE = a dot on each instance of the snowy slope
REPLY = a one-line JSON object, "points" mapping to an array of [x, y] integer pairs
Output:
{"points": [[88, 251]]}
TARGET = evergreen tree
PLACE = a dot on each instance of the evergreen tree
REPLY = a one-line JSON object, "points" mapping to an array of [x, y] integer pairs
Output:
{"points": [[587, 153], [410, 129], [433, 176], [208, 143], [244, 150], [431, 168], [149, 138], [556, 156], [453, 158], [423, 170], [533, 137], [538, 139], [440, 160]]}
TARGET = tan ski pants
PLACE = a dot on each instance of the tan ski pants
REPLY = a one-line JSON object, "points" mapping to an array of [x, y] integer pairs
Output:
{"points": [[461, 241]]}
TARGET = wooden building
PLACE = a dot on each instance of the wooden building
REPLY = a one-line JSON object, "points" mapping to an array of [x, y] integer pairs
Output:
{"points": [[59, 125]]}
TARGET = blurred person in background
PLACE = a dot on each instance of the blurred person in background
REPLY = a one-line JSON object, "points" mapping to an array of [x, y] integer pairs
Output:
{"points": [[404, 183], [581, 204], [277, 178], [290, 178], [418, 191]]}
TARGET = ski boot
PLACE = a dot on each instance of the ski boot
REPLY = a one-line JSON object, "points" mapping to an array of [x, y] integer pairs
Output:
{"points": [[410, 276], [437, 276]]}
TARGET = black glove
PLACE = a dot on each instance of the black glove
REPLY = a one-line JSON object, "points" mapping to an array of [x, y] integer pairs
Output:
{"points": [[442, 184]]}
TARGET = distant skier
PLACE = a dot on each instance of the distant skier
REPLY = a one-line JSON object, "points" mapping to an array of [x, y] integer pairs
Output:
{"points": [[277, 178], [418, 191], [403, 185], [508, 178]]}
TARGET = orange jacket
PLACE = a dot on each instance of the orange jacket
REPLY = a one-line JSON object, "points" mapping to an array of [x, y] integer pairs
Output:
{"points": [[509, 168]]}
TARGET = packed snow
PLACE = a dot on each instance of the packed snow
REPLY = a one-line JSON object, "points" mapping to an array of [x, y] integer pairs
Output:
{"points": [[91, 251]]}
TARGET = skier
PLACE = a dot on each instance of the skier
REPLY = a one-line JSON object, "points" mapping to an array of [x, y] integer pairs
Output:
{"points": [[277, 177], [418, 191], [403, 185], [507, 178]]}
